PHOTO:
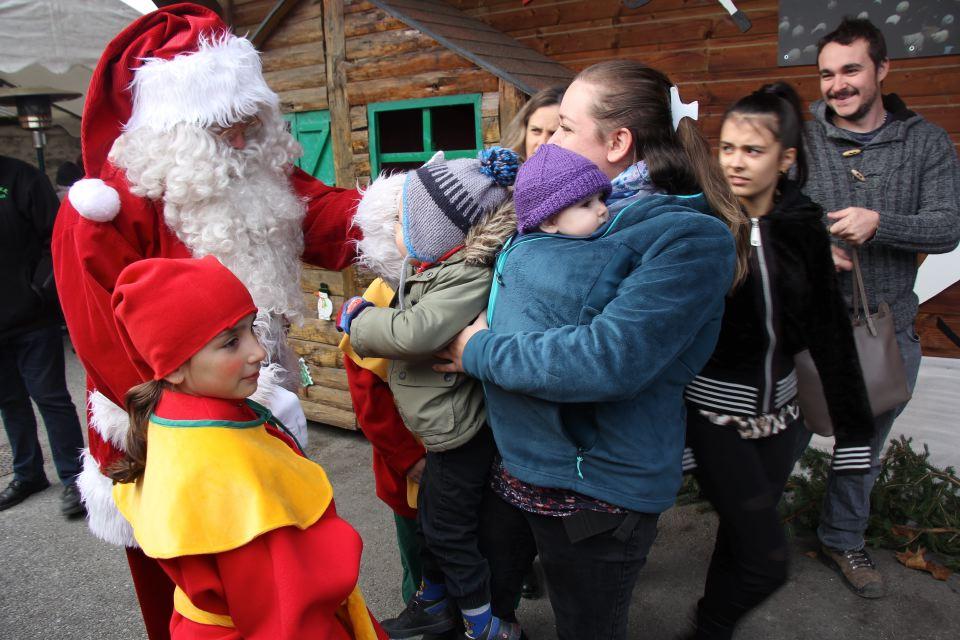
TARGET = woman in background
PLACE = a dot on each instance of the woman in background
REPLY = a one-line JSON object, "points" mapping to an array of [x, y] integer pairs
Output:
{"points": [[535, 123]]}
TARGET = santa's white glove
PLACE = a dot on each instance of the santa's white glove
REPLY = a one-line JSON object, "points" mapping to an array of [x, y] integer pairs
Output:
{"points": [[285, 407]]}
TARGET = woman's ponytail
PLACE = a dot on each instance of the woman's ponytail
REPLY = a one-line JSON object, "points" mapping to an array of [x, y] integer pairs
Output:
{"points": [[141, 401]]}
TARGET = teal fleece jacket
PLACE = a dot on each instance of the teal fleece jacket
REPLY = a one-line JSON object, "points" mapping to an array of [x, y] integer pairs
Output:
{"points": [[591, 343]]}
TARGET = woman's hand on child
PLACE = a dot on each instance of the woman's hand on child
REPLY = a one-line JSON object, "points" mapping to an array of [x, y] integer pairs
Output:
{"points": [[454, 351], [415, 472]]}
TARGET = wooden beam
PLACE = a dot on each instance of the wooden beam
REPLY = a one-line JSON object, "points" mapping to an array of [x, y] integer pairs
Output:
{"points": [[270, 23], [335, 49], [512, 100], [228, 13]]}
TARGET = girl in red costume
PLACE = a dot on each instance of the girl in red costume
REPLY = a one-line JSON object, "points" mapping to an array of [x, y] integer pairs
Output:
{"points": [[243, 524]]}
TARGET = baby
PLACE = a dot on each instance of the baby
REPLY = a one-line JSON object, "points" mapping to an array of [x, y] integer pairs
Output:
{"points": [[560, 192]]}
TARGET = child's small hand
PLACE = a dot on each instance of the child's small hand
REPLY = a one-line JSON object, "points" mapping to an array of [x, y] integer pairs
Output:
{"points": [[350, 310], [415, 472], [454, 351]]}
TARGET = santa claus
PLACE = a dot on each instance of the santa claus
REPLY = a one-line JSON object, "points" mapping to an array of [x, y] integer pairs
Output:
{"points": [[186, 155]]}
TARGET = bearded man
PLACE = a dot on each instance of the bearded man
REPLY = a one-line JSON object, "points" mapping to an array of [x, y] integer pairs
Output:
{"points": [[186, 155]]}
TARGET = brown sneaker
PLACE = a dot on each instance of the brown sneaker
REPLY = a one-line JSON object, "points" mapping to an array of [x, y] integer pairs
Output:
{"points": [[857, 570]]}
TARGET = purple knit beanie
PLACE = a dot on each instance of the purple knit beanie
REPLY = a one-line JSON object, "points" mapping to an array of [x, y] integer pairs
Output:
{"points": [[552, 180]]}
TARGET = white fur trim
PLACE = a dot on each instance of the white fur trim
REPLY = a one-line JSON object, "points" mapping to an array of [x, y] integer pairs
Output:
{"points": [[95, 200], [219, 84], [103, 517], [109, 420]]}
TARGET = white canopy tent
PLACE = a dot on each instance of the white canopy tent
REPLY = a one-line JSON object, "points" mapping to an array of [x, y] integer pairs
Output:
{"points": [[56, 43]]}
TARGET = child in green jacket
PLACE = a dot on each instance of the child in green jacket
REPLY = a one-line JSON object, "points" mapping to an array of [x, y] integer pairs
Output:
{"points": [[449, 219]]}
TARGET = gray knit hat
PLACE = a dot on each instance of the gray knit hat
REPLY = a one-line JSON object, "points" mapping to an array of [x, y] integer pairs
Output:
{"points": [[444, 198]]}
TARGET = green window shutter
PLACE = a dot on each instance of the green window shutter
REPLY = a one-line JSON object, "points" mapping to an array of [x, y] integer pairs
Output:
{"points": [[428, 146], [312, 130]]}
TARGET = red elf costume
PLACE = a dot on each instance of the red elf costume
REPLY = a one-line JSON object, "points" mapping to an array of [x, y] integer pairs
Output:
{"points": [[173, 66], [244, 526]]}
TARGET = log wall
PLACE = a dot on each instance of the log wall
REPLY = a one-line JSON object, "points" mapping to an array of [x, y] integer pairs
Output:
{"points": [[701, 49]]}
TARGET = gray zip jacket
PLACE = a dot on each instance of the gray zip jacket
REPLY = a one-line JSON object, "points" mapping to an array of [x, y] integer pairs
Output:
{"points": [[910, 175]]}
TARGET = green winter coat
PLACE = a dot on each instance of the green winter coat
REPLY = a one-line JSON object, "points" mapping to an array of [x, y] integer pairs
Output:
{"points": [[445, 410]]}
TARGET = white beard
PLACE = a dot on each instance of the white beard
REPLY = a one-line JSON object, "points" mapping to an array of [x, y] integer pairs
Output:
{"points": [[236, 205]]}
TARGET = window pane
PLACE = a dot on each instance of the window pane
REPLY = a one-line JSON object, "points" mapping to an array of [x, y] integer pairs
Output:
{"points": [[400, 131], [454, 127]]}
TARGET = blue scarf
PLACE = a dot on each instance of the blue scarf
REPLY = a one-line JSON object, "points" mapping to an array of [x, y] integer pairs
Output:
{"points": [[631, 185]]}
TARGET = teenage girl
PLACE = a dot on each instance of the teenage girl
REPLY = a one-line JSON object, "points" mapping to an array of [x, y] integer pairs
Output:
{"points": [[742, 414]]}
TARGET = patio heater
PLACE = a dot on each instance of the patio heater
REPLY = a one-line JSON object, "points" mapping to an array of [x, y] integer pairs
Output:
{"points": [[34, 111]]}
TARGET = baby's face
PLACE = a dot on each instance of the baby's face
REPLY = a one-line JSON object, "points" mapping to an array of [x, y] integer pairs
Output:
{"points": [[580, 219]]}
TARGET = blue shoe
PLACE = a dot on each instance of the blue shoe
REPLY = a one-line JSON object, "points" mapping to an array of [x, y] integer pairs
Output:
{"points": [[496, 629]]}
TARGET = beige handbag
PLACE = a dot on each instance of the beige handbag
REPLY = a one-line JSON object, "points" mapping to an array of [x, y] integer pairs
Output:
{"points": [[880, 361]]}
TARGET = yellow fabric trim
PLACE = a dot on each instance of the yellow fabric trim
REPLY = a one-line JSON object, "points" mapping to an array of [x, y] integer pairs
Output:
{"points": [[185, 607], [381, 295], [353, 613], [212, 489], [413, 488]]}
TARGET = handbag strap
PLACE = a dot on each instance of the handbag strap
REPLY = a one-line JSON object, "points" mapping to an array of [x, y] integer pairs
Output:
{"points": [[860, 295]]}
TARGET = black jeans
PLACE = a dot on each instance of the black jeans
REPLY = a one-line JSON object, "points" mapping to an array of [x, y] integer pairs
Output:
{"points": [[507, 543], [590, 582], [448, 519], [743, 479], [32, 366]]}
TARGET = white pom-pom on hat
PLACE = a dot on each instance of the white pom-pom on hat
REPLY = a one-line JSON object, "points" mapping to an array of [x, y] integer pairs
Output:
{"points": [[95, 200]]}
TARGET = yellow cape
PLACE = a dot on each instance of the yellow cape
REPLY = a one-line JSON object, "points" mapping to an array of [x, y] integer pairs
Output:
{"points": [[211, 486]]}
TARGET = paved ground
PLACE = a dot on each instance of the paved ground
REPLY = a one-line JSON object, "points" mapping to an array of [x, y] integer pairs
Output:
{"points": [[58, 582]]}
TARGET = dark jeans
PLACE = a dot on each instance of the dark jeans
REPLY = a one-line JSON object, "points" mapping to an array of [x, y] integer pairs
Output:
{"points": [[32, 366], [590, 582], [743, 479], [846, 505], [448, 518], [507, 543]]}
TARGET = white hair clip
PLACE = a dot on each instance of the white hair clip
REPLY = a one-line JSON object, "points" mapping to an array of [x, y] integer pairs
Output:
{"points": [[680, 109]]}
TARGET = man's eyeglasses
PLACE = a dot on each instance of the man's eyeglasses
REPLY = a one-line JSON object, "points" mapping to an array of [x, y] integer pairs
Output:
{"points": [[245, 127]]}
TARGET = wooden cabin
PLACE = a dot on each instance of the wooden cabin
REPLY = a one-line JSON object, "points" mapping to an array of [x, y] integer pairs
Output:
{"points": [[380, 84]]}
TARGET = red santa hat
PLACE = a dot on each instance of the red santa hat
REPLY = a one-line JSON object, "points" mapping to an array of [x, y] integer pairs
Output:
{"points": [[177, 64], [167, 309]]}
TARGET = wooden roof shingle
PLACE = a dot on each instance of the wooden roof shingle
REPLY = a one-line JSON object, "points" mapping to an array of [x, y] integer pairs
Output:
{"points": [[492, 50]]}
